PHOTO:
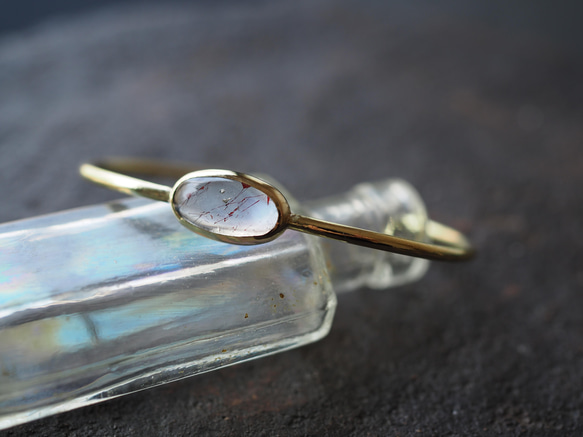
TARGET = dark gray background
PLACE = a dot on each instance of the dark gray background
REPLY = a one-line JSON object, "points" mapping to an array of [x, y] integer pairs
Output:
{"points": [[559, 21], [482, 113]]}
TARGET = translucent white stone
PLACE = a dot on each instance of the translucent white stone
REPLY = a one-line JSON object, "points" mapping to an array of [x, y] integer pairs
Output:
{"points": [[225, 207]]}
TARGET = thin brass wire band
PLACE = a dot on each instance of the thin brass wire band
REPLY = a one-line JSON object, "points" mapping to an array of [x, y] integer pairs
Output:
{"points": [[445, 244], [125, 184]]}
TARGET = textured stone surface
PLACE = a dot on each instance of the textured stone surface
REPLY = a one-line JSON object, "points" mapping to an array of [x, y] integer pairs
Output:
{"points": [[487, 125]]}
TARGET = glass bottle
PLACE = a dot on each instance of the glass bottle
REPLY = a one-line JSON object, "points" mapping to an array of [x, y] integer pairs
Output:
{"points": [[106, 300]]}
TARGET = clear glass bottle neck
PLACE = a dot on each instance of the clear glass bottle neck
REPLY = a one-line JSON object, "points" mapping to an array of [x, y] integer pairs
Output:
{"points": [[392, 206]]}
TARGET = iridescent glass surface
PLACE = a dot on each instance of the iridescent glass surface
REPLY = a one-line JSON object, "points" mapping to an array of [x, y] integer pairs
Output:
{"points": [[106, 300]]}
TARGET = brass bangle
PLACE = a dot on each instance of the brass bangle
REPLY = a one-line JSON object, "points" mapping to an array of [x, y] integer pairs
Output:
{"points": [[239, 208]]}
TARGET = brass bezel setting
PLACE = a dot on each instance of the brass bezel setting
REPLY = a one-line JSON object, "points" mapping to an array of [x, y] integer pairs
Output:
{"points": [[274, 194]]}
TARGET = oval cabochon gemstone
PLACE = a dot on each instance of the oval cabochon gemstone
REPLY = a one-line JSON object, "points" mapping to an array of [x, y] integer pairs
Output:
{"points": [[225, 207]]}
